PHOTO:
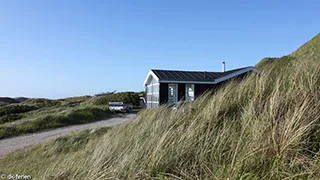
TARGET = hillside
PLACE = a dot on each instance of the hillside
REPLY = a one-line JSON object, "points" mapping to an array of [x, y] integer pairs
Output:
{"points": [[34, 114], [265, 127], [7, 100], [310, 50]]}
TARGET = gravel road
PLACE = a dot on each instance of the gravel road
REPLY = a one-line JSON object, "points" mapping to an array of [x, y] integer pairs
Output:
{"points": [[15, 143]]}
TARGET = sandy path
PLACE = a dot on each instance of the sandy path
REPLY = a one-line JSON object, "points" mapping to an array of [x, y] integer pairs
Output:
{"points": [[14, 143]]}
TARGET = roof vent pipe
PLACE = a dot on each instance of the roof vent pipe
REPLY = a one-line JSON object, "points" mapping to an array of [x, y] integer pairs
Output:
{"points": [[223, 66]]}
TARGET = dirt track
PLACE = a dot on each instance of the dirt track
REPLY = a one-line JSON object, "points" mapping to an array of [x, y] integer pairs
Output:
{"points": [[15, 143]]}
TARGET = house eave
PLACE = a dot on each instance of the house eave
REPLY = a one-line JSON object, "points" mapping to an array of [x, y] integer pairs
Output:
{"points": [[188, 82], [218, 80], [237, 73], [151, 73]]}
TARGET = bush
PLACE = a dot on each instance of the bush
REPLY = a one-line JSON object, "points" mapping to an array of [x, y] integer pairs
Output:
{"points": [[7, 100], [7, 131], [15, 109], [78, 99], [9, 118], [101, 100], [41, 102], [85, 115], [21, 99], [125, 97]]}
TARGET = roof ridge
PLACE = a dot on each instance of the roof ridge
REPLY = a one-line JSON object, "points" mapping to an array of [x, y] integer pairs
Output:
{"points": [[201, 71]]}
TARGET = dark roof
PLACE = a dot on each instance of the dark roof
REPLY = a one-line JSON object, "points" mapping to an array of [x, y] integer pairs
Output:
{"points": [[203, 76]]}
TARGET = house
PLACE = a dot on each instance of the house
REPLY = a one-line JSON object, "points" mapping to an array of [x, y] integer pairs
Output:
{"points": [[171, 86]]}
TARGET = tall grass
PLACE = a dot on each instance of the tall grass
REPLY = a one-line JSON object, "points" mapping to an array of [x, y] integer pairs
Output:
{"points": [[47, 120], [38, 114], [35, 114], [265, 127]]}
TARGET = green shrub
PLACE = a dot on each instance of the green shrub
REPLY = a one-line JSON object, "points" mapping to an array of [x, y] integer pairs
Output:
{"points": [[77, 99], [7, 131], [15, 109], [10, 118], [7, 100], [101, 100], [125, 97], [41, 102], [21, 99]]}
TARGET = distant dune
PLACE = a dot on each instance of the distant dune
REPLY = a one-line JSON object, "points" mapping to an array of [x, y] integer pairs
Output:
{"points": [[7, 100]]}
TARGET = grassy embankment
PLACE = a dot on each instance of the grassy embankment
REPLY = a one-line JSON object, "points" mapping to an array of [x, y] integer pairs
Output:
{"points": [[265, 127], [34, 115]]}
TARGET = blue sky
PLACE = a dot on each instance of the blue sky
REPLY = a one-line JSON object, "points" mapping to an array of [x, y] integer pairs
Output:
{"points": [[57, 49]]}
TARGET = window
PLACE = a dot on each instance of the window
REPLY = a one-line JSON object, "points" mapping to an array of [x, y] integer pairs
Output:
{"points": [[152, 94], [189, 92], [171, 91]]}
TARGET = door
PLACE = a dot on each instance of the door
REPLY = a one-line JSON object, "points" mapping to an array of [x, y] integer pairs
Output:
{"points": [[172, 94]]}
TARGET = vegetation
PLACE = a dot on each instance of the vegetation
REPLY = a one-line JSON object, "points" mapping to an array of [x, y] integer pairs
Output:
{"points": [[79, 115], [21, 99], [264, 127], [35, 114], [310, 51], [7, 100], [126, 97], [15, 108]]}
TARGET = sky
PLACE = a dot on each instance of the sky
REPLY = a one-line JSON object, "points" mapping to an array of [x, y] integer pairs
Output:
{"points": [[56, 49]]}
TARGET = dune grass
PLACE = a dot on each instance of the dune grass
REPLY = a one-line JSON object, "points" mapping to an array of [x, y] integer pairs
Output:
{"points": [[38, 121], [39, 114], [36, 114], [265, 127]]}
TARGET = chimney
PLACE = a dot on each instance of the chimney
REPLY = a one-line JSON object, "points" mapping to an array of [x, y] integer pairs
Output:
{"points": [[205, 75], [223, 66]]}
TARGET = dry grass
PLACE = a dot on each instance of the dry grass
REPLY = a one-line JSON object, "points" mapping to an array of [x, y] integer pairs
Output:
{"points": [[265, 127], [258, 128], [38, 114]]}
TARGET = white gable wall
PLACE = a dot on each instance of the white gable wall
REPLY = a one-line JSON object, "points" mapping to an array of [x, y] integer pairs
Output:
{"points": [[152, 92]]}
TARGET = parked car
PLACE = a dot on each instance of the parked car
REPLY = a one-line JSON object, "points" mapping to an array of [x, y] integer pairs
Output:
{"points": [[119, 107], [142, 102]]}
